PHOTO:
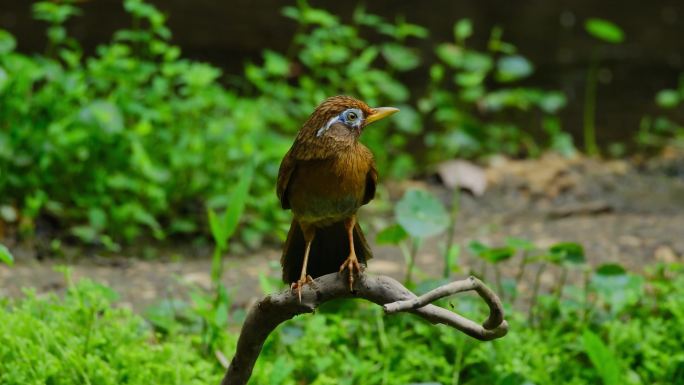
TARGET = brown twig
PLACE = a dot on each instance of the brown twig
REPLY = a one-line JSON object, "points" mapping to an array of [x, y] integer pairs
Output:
{"points": [[274, 309]]}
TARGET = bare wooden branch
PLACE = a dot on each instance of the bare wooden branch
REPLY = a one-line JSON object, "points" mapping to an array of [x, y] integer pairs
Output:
{"points": [[275, 309]]}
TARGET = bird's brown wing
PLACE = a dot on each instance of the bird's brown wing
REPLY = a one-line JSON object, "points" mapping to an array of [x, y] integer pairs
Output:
{"points": [[371, 182], [287, 167]]}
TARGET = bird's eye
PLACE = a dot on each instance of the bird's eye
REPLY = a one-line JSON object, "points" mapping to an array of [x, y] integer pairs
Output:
{"points": [[352, 116]]}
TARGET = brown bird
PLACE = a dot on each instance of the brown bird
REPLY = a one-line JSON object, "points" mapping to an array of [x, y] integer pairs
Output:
{"points": [[324, 178]]}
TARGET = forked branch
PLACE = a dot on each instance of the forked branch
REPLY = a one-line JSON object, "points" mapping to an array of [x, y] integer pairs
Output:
{"points": [[274, 309]]}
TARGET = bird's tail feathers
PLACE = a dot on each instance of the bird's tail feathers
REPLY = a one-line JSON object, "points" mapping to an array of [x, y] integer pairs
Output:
{"points": [[329, 249]]}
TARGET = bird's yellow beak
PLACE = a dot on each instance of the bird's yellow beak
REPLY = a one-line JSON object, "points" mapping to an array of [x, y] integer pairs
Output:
{"points": [[380, 113]]}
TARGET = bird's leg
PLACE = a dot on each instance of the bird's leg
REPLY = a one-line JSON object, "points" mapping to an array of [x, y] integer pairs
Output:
{"points": [[309, 232], [351, 263]]}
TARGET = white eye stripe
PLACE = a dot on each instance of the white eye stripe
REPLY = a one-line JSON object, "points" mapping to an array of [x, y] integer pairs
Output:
{"points": [[325, 128], [346, 118]]}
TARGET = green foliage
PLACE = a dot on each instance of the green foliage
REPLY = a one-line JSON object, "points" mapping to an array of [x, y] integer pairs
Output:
{"points": [[602, 358], [662, 130], [133, 141], [6, 256], [213, 308], [474, 99], [136, 141], [82, 338], [604, 30], [421, 214]]}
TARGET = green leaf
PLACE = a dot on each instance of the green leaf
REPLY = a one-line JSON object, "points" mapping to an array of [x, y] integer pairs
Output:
{"points": [[410, 120], [450, 54], [421, 214], [552, 101], [477, 247], [4, 79], [451, 259], [611, 269], [520, 244], [498, 254], [7, 42], [568, 252], [604, 360], [668, 98], [6, 256], [513, 67], [237, 201], [463, 29], [216, 228], [399, 57], [275, 63], [604, 30], [104, 115], [392, 235]]}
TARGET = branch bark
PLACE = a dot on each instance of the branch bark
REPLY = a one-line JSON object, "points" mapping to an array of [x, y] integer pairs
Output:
{"points": [[275, 309]]}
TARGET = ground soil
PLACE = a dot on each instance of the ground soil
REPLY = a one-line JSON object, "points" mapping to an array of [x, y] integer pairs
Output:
{"points": [[621, 211]]}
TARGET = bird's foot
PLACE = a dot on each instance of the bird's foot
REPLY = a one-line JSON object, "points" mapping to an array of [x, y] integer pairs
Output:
{"points": [[354, 267], [299, 284]]}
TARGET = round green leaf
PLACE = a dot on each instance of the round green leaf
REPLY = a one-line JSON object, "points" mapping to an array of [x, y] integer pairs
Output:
{"points": [[421, 214], [513, 67], [463, 29], [520, 243], [668, 98], [409, 121], [7, 42], [400, 57], [103, 114], [611, 269], [5, 255], [391, 235], [498, 254], [604, 30], [552, 101], [569, 252]]}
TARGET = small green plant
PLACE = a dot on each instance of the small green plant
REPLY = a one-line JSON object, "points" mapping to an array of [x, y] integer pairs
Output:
{"points": [[606, 32], [214, 313], [662, 131], [6, 256], [604, 361], [419, 215]]}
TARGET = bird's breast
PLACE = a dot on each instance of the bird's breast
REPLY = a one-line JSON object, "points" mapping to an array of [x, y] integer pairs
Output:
{"points": [[325, 191]]}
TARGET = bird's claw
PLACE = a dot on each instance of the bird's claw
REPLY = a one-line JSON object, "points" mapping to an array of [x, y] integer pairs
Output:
{"points": [[351, 263], [299, 284]]}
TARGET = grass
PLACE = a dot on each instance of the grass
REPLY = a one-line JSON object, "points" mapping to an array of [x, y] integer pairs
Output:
{"points": [[84, 337]]}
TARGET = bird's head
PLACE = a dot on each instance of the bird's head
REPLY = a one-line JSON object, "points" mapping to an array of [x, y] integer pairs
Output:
{"points": [[343, 117]]}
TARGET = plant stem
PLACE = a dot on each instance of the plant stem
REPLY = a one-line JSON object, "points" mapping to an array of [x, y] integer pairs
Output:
{"points": [[520, 273], [216, 266], [453, 214], [415, 244], [585, 307], [590, 146], [458, 360], [535, 292], [497, 278], [561, 283]]}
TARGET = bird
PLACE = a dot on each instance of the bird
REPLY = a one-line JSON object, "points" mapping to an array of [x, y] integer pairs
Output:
{"points": [[324, 178]]}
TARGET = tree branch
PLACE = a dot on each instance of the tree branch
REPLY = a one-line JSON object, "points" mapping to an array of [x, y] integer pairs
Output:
{"points": [[275, 309]]}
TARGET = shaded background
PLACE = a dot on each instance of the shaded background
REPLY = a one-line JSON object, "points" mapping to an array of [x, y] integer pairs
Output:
{"points": [[549, 33]]}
